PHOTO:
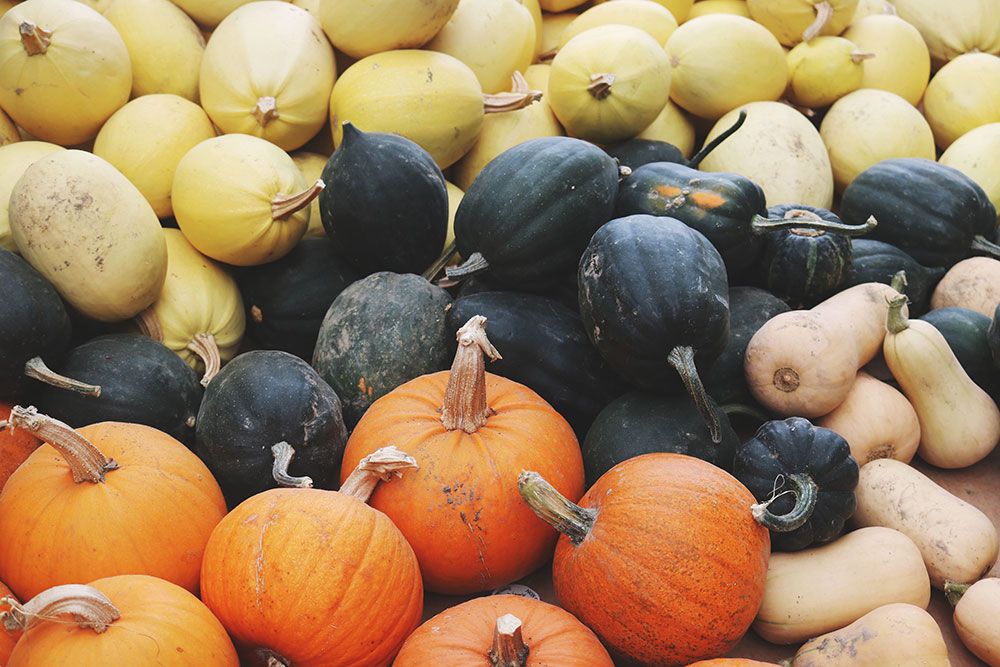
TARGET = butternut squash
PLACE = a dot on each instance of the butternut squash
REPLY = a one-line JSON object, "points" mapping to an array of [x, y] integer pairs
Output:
{"points": [[972, 283], [977, 608]]}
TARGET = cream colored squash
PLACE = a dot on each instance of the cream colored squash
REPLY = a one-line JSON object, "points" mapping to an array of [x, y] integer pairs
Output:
{"points": [[972, 283], [720, 61], [361, 29], [953, 28], [977, 155], [680, 9], [99, 5], [14, 159], [311, 165], [79, 75], [794, 21], [7, 4], [311, 6], [868, 125], [535, 9], [90, 232], [902, 63], [505, 130], [553, 26], [253, 83], [975, 617], [8, 130], [962, 95], [824, 69], [652, 17], [209, 13], [147, 137], [777, 148], [495, 38], [241, 199], [559, 5], [873, 8], [609, 83], [738, 7], [164, 45], [672, 126]]}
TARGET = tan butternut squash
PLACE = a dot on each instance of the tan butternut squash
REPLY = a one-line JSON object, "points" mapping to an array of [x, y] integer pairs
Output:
{"points": [[977, 608], [972, 283]]}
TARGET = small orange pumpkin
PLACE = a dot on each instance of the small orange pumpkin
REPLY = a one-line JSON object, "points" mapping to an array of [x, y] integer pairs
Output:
{"points": [[7, 639], [15, 445]]}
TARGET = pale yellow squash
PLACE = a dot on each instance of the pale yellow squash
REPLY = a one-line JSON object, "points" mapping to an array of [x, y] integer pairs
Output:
{"points": [[737, 7], [977, 155], [672, 126], [64, 70], [90, 233], [164, 45], [99, 5], [209, 13], [311, 6], [241, 199], [14, 159], [535, 9], [720, 61], [553, 26], [902, 63], [7, 4], [975, 617], [824, 69], [680, 9], [147, 137], [455, 195], [652, 17], [868, 125], [8, 130], [559, 5], [777, 148], [360, 29], [253, 82], [953, 28], [311, 165], [873, 8], [199, 313], [794, 21], [962, 95]]}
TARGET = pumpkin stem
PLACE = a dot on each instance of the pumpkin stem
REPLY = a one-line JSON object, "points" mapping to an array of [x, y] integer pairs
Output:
{"points": [[34, 39], [824, 12], [895, 320], [86, 461], [745, 410], [36, 369], [272, 659], [380, 465], [553, 508], [509, 649], [546, 56], [898, 281], [682, 359], [954, 591], [265, 110], [283, 453], [284, 205], [809, 224], [501, 102], [475, 263], [805, 491], [149, 324], [440, 262], [89, 607], [600, 85], [465, 396], [983, 246], [203, 344], [712, 145], [859, 56]]}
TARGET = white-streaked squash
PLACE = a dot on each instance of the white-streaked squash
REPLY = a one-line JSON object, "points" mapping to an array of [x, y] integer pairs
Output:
{"points": [[794, 21], [954, 28], [652, 17], [977, 155], [902, 63], [824, 69], [360, 29], [672, 126], [147, 137], [14, 159], [962, 95], [268, 72]]}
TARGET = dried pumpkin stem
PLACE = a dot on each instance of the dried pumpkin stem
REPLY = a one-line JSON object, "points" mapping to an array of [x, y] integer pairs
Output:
{"points": [[149, 324], [555, 509], [89, 607], [600, 85], [378, 466], [895, 320], [272, 659], [475, 263], [898, 282], [36, 369], [860, 56], [265, 110], [501, 102], [283, 453], [86, 461], [682, 359], [204, 345], [809, 224], [954, 591], [509, 649], [284, 205], [465, 396], [431, 271], [805, 491], [34, 39], [824, 12]]}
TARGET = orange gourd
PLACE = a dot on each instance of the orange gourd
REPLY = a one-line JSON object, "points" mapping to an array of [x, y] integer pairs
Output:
{"points": [[106, 499], [7, 639], [15, 445], [473, 432]]}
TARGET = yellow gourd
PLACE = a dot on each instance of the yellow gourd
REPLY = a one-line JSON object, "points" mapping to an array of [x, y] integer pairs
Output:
{"points": [[455, 195], [64, 70], [311, 165], [208, 13], [680, 9], [556, 6], [14, 159], [362, 29], [953, 28], [652, 17], [867, 8], [962, 95], [824, 69], [253, 83], [8, 130], [794, 21], [147, 137], [902, 63], [553, 26], [673, 126], [977, 155], [738, 7], [535, 10]]}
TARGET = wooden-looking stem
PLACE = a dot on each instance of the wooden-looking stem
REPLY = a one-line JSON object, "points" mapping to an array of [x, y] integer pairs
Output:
{"points": [[954, 591], [378, 466], [89, 608], [284, 205], [36, 369], [465, 396], [271, 658], [149, 324], [712, 145], [600, 85], [501, 102], [824, 12], [509, 649], [555, 509], [805, 491], [86, 461], [983, 246], [265, 110], [895, 320], [860, 56], [682, 359], [431, 271], [807, 223], [898, 281], [205, 347], [474, 263], [35, 40], [283, 453]]}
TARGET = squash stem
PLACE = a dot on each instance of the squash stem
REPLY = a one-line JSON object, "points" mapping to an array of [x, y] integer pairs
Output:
{"points": [[36, 369], [805, 491], [600, 85], [983, 246], [824, 12], [34, 39], [283, 453], [502, 102], [898, 281], [745, 410], [149, 324], [555, 509], [475, 263], [86, 461], [88, 607], [712, 145], [509, 649], [682, 359], [796, 219], [265, 110], [895, 320], [465, 405], [272, 659], [378, 466], [204, 345], [256, 314], [284, 205], [440, 262], [954, 591], [857, 57]]}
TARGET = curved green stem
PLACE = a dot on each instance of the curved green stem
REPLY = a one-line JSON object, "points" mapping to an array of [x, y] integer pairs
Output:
{"points": [[682, 359], [805, 491], [898, 282], [476, 263], [553, 508], [712, 145], [760, 225], [954, 591]]}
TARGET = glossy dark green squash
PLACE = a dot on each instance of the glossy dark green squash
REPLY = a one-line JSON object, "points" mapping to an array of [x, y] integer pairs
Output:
{"points": [[562, 290], [967, 333], [381, 331], [815, 465], [878, 261], [287, 299], [532, 209], [543, 346], [385, 203], [993, 337], [261, 398], [635, 152]]}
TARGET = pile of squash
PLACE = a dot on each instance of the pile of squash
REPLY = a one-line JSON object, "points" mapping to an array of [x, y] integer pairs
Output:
{"points": [[318, 315]]}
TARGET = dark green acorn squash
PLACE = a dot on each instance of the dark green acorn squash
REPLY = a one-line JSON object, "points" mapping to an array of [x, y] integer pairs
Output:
{"points": [[380, 332], [261, 398], [804, 478], [562, 290], [877, 261], [635, 152], [967, 333], [385, 203], [993, 337]]}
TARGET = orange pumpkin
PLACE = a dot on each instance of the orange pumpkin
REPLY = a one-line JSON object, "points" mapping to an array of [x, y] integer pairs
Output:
{"points": [[129, 619], [7, 639], [481, 630], [308, 577], [106, 499], [662, 558], [473, 432], [732, 662], [15, 445]]}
